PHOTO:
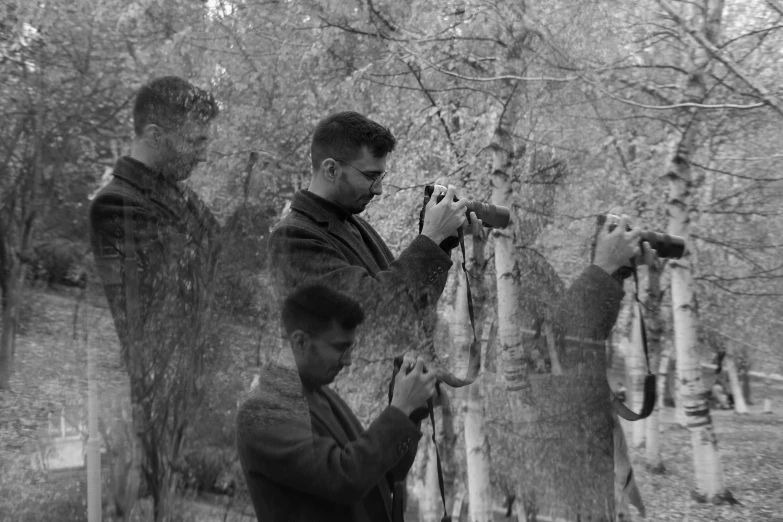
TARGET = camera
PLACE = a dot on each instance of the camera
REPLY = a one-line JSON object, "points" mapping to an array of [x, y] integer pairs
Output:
{"points": [[491, 216], [418, 414], [665, 245]]}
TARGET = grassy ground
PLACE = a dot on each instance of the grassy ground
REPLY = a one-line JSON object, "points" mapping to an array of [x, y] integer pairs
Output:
{"points": [[50, 374], [751, 452]]}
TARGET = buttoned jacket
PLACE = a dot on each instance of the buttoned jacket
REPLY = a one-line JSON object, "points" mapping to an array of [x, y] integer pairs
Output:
{"points": [[300, 466]]}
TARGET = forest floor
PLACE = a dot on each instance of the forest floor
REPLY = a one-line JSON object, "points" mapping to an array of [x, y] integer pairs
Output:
{"points": [[751, 453], [50, 375]]}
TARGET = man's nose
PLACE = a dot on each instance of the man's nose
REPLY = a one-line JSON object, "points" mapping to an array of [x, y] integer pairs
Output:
{"points": [[377, 187], [347, 359]]}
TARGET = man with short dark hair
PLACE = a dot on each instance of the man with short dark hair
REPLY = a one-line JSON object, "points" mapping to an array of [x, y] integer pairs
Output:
{"points": [[324, 240], [304, 453], [154, 246]]}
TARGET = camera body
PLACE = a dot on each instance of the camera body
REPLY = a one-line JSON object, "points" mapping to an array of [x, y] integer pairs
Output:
{"points": [[666, 246], [491, 216], [419, 414]]}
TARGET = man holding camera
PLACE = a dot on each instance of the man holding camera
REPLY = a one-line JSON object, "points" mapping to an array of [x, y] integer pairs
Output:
{"points": [[324, 240], [304, 453], [581, 427]]}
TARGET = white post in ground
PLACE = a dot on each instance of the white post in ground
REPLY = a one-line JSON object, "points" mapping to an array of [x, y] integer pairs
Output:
{"points": [[93, 443]]}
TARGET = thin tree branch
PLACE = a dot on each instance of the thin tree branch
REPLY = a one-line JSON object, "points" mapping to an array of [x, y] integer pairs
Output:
{"points": [[730, 64], [775, 6], [721, 106], [489, 78]]}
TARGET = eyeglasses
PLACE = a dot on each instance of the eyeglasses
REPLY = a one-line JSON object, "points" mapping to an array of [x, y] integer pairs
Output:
{"points": [[374, 178]]}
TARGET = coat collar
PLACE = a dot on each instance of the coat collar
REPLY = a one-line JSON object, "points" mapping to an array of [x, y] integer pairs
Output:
{"points": [[168, 194], [338, 222], [320, 209], [142, 177]]}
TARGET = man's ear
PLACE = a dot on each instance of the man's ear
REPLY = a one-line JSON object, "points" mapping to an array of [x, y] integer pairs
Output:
{"points": [[329, 170], [300, 341], [152, 136]]}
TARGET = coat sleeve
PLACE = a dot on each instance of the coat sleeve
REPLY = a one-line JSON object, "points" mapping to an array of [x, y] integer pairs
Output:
{"points": [[286, 451], [300, 254], [589, 308]]}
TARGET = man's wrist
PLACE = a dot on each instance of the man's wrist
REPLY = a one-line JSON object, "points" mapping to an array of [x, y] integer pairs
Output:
{"points": [[609, 268], [436, 238], [404, 409]]}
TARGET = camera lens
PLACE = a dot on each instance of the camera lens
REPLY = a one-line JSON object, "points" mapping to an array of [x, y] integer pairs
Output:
{"points": [[490, 215], [666, 246]]}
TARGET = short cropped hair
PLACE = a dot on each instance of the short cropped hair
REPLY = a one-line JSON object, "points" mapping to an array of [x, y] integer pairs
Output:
{"points": [[342, 135], [314, 308], [169, 101]]}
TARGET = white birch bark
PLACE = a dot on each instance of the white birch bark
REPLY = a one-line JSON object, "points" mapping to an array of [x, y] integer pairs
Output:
{"points": [[709, 473], [506, 267], [653, 436], [476, 444], [430, 504], [637, 368], [663, 373], [478, 457], [551, 346], [740, 406]]}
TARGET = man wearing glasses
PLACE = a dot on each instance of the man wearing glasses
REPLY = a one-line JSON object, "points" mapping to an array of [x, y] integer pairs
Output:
{"points": [[324, 240]]}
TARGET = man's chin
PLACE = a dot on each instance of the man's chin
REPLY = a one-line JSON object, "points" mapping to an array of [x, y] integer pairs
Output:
{"points": [[361, 207]]}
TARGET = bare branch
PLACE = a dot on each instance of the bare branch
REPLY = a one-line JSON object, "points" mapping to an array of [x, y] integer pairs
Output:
{"points": [[730, 64], [733, 174], [720, 106], [505, 77], [773, 4]]}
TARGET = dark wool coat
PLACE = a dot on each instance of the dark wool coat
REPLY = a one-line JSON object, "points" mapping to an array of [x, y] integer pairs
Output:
{"points": [[317, 242], [576, 430], [174, 241], [300, 467]]}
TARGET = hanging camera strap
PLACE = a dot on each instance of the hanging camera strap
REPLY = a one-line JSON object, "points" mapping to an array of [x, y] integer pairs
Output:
{"points": [[467, 287], [471, 313], [649, 380], [446, 517]]}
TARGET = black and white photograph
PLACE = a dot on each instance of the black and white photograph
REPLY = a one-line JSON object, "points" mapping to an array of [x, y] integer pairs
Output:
{"points": [[391, 261]]}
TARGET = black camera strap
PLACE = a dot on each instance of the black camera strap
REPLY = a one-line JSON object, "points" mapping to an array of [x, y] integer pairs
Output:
{"points": [[467, 286], [446, 517], [649, 380], [475, 345]]}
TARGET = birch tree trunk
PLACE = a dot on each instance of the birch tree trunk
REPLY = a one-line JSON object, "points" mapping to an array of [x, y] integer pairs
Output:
{"points": [[653, 449], [478, 457], [652, 434], [740, 406], [507, 269], [636, 371], [476, 443], [663, 374], [430, 505], [654, 345], [679, 403], [705, 17], [446, 443]]}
